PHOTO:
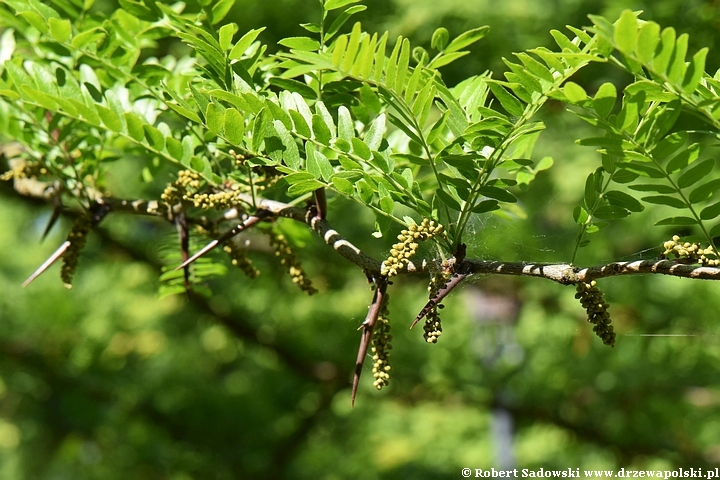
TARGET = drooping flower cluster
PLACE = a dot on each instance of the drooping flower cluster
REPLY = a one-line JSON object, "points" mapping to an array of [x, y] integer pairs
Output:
{"points": [[433, 325], [591, 298], [401, 252], [239, 258], [381, 345], [284, 251], [691, 251]]}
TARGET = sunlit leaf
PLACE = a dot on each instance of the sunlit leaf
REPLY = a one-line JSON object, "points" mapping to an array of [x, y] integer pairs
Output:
{"points": [[335, 4], [300, 43], [346, 130], [647, 41], [626, 32], [467, 38], [605, 99], [244, 43], [580, 215], [234, 126], [304, 186]]}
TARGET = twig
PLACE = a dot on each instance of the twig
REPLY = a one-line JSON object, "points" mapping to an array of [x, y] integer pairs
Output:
{"points": [[568, 274]]}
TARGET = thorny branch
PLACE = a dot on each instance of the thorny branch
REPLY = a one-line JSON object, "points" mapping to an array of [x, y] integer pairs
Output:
{"points": [[562, 273], [461, 268]]}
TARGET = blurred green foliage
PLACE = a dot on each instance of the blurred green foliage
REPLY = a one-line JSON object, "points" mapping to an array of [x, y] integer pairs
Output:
{"points": [[106, 381]]}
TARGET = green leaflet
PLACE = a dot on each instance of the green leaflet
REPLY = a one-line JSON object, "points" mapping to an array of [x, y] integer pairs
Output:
{"points": [[679, 221], [623, 200], [342, 19], [466, 39], [696, 173], [317, 163], [708, 213], [665, 200], [234, 127], [626, 32], [244, 43], [342, 185], [684, 158], [648, 38], [703, 192], [374, 135], [335, 4], [506, 99], [346, 130], [605, 99]]}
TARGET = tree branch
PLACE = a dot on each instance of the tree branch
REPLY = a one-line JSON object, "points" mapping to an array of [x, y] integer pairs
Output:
{"points": [[568, 274], [562, 273]]}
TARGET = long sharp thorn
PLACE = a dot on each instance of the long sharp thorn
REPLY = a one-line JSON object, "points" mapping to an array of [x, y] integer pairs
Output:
{"points": [[368, 325], [52, 259], [362, 351], [439, 296], [199, 254], [250, 221], [53, 219]]}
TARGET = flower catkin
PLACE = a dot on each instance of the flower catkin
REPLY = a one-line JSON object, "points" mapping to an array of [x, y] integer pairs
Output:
{"points": [[401, 252], [290, 261], [591, 298], [433, 325], [381, 346], [239, 258]]}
